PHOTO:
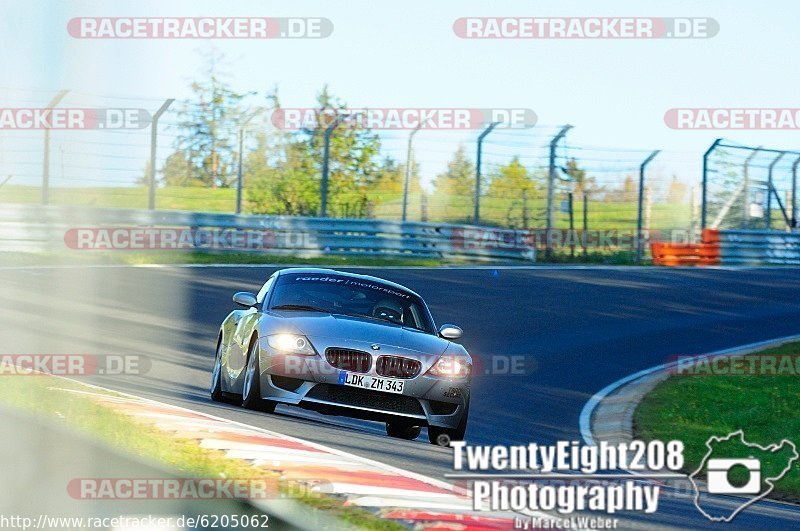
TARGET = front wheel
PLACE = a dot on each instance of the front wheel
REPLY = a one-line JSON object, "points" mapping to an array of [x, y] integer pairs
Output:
{"points": [[251, 394], [402, 431], [216, 375], [443, 436]]}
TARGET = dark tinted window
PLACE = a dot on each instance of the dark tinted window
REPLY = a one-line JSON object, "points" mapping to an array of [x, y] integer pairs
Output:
{"points": [[346, 295]]}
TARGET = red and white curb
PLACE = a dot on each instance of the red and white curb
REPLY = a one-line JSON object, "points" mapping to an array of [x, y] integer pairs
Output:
{"points": [[392, 493]]}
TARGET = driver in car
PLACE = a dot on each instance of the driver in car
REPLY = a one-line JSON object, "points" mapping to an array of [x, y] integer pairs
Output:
{"points": [[389, 310]]}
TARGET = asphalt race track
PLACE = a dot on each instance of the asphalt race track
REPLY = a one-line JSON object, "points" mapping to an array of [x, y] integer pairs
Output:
{"points": [[577, 329]]}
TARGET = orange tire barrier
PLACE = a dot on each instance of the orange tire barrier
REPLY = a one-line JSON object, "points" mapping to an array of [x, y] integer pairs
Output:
{"points": [[710, 236], [706, 250], [685, 261], [688, 254]]}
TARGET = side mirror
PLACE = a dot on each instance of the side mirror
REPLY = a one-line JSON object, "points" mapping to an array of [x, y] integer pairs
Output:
{"points": [[450, 331], [244, 298]]}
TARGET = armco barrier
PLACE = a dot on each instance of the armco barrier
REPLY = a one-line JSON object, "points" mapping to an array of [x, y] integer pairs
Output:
{"points": [[731, 247], [759, 247], [29, 228]]}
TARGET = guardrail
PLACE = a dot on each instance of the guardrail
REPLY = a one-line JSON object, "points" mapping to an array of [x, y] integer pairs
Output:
{"points": [[29, 228], [731, 247], [759, 247]]}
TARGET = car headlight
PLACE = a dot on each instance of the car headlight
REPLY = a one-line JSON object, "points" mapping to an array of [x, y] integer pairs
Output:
{"points": [[291, 343], [451, 367]]}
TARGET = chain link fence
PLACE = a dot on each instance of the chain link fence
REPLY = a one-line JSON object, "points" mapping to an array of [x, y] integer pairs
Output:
{"points": [[520, 178], [749, 187]]}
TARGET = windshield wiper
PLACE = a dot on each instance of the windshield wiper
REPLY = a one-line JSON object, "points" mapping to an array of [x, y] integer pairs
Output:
{"points": [[299, 307]]}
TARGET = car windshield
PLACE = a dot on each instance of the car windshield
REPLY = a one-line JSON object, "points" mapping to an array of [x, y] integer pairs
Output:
{"points": [[347, 295]]}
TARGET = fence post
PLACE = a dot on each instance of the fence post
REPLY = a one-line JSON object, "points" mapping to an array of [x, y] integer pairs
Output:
{"points": [[409, 164], [705, 181], [325, 166], [46, 158], [240, 177], [525, 213], [640, 204], [477, 203], [794, 192], [746, 188], [695, 216], [551, 177], [151, 193], [571, 226], [585, 226], [771, 188]]}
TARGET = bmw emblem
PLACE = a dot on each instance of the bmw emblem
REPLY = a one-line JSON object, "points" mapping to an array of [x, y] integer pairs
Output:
{"points": [[375, 346]]}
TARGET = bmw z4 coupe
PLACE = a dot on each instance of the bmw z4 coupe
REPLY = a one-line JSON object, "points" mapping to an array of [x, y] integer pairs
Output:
{"points": [[344, 344]]}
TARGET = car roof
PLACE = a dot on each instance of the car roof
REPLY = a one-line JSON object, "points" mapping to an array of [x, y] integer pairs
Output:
{"points": [[322, 270]]}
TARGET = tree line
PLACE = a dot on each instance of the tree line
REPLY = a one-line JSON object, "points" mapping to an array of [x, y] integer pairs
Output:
{"points": [[282, 169]]}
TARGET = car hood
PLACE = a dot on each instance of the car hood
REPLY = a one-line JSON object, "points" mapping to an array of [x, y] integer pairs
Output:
{"points": [[359, 332]]}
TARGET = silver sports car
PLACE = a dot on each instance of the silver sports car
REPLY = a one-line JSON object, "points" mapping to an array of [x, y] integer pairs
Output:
{"points": [[344, 344]]}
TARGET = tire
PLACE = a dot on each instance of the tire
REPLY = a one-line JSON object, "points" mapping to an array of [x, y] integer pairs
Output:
{"points": [[251, 391], [216, 375], [402, 431], [443, 436]]}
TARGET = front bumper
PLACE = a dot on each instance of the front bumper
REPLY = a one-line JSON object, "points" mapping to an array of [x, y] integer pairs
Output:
{"points": [[312, 383]]}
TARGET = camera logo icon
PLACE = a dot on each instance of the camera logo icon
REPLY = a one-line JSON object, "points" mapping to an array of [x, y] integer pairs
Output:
{"points": [[720, 471], [745, 471]]}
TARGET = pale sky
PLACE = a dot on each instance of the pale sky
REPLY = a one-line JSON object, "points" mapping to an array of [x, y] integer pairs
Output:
{"points": [[405, 54]]}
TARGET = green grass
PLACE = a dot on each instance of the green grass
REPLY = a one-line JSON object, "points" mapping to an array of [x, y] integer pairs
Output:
{"points": [[199, 257], [187, 198], [50, 398], [693, 408], [495, 211], [601, 215], [604, 257]]}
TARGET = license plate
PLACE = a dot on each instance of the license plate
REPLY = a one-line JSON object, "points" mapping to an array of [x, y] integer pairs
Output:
{"points": [[373, 383]]}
